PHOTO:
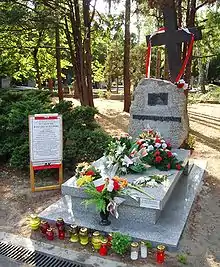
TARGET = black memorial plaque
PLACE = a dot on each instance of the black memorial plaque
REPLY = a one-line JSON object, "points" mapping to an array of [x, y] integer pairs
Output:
{"points": [[158, 99]]}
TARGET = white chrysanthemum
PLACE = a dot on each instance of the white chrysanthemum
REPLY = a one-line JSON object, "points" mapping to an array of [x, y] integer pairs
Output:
{"points": [[150, 148], [152, 183], [164, 145]]}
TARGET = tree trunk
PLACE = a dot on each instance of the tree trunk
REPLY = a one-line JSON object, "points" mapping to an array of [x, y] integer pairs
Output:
{"points": [[127, 83], [117, 84], [87, 47], [58, 60], [138, 23], [73, 59], [59, 79], [166, 66], [36, 63], [158, 64], [179, 13], [190, 23], [109, 6]]}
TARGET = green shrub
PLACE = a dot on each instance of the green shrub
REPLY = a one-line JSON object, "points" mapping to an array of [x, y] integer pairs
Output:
{"points": [[84, 145], [15, 106], [83, 139], [120, 243]]}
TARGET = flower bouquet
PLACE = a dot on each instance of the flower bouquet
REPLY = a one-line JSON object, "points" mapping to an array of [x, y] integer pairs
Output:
{"points": [[86, 173], [157, 151], [104, 194], [118, 154]]}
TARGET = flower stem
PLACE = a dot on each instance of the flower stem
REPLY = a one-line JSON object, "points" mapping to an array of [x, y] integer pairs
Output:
{"points": [[140, 190]]}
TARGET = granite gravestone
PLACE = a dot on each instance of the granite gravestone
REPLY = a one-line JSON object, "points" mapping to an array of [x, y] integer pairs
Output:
{"points": [[5, 82], [160, 105]]}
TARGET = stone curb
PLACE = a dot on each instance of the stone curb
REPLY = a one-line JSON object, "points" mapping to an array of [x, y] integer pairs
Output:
{"points": [[75, 256]]}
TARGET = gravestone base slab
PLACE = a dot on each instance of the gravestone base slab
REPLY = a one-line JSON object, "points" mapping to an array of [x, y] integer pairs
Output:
{"points": [[168, 228]]}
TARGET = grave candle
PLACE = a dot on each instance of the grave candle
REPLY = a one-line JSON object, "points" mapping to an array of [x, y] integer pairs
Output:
{"points": [[160, 254], [50, 234], [143, 250], [104, 250], [34, 222], [134, 251], [83, 236], [59, 223], [44, 226], [109, 240], [96, 240], [74, 233], [61, 233]]}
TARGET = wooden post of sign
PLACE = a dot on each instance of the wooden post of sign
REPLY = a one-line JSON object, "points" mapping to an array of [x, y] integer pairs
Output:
{"points": [[48, 187], [32, 178]]}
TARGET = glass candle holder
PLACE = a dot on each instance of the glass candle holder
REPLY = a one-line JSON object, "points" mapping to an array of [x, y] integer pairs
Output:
{"points": [[96, 240], [61, 233], [83, 236], [109, 240], [134, 251], [50, 234], [60, 223], [104, 249], [160, 254], [74, 237], [34, 222], [44, 226], [143, 250]]}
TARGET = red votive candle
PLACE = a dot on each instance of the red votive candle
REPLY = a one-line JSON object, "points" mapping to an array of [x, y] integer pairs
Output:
{"points": [[103, 250], [160, 254], [50, 234], [109, 240], [44, 226], [61, 233], [60, 223]]}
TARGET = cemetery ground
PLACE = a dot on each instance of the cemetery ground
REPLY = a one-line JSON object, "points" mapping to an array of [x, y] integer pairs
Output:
{"points": [[201, 237]]}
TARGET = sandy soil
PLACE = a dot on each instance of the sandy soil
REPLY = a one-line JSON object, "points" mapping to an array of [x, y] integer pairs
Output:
{"points": [[201, 237]]}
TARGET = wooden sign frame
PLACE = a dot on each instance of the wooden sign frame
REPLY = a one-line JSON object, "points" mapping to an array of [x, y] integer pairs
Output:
{"points": [[54, 161]]}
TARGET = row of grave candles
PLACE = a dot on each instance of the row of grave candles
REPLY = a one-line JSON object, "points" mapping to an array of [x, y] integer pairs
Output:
{"points": [[100, 243]]}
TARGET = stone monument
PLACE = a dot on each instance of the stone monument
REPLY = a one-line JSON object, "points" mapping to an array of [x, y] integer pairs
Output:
{"points": [[159, 105], [5, 82]]}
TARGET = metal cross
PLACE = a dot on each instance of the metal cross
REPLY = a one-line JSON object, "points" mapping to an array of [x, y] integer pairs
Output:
{"points": [[172, 39]]}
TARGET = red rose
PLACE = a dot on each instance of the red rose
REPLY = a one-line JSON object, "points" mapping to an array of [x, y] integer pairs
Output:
{"points": [[169, 154], [157, 153], [168, 144], [90, 172], [178, 166], [158, 140], [158, 159], [116, 185], [168, 166]]}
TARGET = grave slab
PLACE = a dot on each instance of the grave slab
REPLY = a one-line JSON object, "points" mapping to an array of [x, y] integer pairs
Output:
{"points": [[168, 228], [137, 207]]}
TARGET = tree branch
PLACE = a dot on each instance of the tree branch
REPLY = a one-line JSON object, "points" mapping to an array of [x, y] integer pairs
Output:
{"points": [[205, 3]]}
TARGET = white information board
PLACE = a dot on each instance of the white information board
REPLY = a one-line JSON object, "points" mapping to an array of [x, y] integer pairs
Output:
{"points": [[46, 139]]}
